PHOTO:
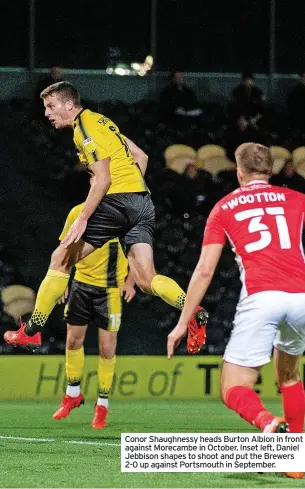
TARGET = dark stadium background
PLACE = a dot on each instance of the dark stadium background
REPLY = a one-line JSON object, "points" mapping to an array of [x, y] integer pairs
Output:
{"points": [[211, 42], [201, 36]]}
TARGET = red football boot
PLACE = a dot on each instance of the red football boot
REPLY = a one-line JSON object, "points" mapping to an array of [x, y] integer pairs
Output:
{"points": [[294, 475], [20, 338], [67, 404], [196, 337], [277, 425], [100, 415]]}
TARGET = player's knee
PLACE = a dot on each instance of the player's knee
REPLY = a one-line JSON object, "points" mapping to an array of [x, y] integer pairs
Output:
{"points": [[144, 284], [74, 343], [58, 259], [107, 351]]}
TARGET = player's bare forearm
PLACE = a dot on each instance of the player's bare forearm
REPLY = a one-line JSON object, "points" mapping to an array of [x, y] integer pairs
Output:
{"points": [[95, 195], [200, 281], [138, 155], [130, 280], [128, 290], [99, 186]]}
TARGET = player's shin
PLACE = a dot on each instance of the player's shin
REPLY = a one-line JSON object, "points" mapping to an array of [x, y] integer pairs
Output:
{"points": [[74, 369], [168, 290], [293, 397], [245, 402], [105, 377], [106, 368], [50, 291], [73, 397]]}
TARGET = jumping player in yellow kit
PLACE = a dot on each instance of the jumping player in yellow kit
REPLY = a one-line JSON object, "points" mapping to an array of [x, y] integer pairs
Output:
{"points": [[118, 206]]}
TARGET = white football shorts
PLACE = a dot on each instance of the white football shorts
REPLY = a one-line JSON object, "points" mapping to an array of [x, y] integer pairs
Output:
{"points": [[264, 320]]}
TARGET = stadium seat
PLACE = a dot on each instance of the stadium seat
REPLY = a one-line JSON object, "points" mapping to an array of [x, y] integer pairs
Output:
{"points": [[209, 151], [18, 300], [178, 156], [301, 168], [14, 292], [213, 159], [279, 155], [298, 156], [217, 164]]}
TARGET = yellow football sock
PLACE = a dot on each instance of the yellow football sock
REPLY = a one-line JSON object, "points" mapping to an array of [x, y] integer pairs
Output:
{"points": [[105, 375], [50, 291], [168, 290], [74, 365]]}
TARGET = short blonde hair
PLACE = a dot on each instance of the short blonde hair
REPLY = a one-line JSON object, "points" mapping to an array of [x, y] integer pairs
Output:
{"points": [[65, 90], [254, 158]]}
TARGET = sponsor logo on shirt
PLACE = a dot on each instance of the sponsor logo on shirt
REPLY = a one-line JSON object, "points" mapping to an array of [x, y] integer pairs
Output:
{"points": [[87, 141], [104, 120], [89, 145]]}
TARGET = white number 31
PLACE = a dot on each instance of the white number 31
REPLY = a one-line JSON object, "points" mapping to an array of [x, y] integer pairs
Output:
{"points": [[255, 225]]}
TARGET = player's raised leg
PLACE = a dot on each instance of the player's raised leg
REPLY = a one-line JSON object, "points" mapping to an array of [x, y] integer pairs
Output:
{"points": [[141, 262], [74, 369], [50, 291]]}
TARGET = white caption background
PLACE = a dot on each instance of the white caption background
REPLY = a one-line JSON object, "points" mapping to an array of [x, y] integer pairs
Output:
{"points": [[212, 452]]}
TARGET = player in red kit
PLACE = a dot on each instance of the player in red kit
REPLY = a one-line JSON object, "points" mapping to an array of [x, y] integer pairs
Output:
{"points": [[264, 225]]}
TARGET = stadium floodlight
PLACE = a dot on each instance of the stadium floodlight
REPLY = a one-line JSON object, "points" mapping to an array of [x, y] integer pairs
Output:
{"points": [[120, 70], [135, 66]]}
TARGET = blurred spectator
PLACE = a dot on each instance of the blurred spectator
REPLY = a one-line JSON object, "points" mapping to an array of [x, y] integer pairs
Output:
{"points": [[54, 76], [193, 192], [242, 131], [247, 100], [178, 103], [288, 177], [296, 105]]}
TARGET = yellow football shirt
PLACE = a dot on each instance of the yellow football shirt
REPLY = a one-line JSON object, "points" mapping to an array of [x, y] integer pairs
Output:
{"points": [[96, 137], [106, 266]]}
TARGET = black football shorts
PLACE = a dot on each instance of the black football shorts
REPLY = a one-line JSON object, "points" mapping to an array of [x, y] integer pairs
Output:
{"points": [[127, 216], [93, 304]]}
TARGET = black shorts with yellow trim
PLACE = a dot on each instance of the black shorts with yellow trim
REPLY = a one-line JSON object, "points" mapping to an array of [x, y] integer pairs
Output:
{"points": [[90, 303], [127, 216]]}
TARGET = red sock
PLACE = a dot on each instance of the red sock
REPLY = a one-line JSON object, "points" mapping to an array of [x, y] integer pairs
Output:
{"points": [[293, 397], [245, 402]]}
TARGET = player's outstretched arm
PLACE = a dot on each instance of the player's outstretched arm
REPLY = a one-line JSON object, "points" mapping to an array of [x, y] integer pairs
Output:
{"points": [[128, 290], [197, 288], [99, 186], [138, 155]]}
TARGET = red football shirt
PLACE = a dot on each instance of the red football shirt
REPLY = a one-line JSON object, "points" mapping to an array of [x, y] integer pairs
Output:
{"points": [[264, 225]]}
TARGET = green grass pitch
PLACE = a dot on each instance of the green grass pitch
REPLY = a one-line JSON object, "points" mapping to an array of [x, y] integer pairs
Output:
{"points": [[55, 463]]}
